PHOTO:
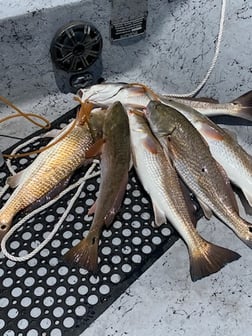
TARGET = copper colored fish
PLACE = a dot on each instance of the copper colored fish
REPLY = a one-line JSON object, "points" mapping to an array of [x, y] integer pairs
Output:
{"points": [[51, 169]]}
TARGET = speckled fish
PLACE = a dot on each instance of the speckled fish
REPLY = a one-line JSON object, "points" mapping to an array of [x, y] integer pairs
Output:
{"points": [[51, 170], [137, 95], [115, 160], [240, 107], [236, 162], [193, 161], [162, 183]]}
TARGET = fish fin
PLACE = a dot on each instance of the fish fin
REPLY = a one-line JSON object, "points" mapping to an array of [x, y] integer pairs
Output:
{"points": [[85, 253], [192, 208], [205, 208], [159, 215], [95, 149], [117, 201], [210, 132], [209, 259], [244, 103], [48, 196], [229, 188], [150, 144], [205, 100], [14, 180], [248, 196], [91, 211]]}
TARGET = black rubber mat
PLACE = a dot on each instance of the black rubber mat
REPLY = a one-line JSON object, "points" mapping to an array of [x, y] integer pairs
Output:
{"points": [[44, 296]]}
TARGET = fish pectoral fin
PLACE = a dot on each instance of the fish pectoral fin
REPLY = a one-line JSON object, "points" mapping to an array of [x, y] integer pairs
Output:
{"points": [[159, 215], [248, 196], [95, 149], [208, 259], [108, 219], [91, 211], [205, 208], [209, 131], [15, 180], [150, 144]]}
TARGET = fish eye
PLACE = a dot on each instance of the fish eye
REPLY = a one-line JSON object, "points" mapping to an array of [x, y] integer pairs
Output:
{"points": [[204, 170]]}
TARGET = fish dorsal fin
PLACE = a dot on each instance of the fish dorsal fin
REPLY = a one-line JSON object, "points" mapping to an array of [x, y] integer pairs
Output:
{"points": [[209, 131], [15, 180], [245, 100], [158, 215]]}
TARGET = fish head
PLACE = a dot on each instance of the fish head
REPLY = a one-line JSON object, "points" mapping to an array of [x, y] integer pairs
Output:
{"points": [[116, 120], [161, 118], [100, 93]]}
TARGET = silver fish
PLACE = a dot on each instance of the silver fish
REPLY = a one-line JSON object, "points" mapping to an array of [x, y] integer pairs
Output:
{"points": [[162, 183]]}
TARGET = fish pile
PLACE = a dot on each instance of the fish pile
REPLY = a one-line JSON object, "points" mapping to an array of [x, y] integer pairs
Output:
{"points": [[175, 149]]}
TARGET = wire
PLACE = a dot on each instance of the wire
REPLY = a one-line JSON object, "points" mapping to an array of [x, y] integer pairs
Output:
{"points": [[89, 174], [214, 60]]}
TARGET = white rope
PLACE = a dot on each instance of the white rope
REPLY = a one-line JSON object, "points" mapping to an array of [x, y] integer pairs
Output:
{"points": [[214, 60], [89, 174]]}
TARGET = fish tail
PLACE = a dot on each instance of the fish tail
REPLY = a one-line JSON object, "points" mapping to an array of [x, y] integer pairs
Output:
{"points": [[245, 234], [85, 253], [209, 259], [245, 106]]}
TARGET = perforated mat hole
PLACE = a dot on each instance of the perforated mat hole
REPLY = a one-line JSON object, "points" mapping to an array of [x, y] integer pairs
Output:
{"points": [[136, 258], [83, 290], [126, 268], [146, 249], [39, 291], [136, 224], [68, 322], [13, 313], [80, 310], [126, 216], [92, 299], [51, 281], [126, 232], [60, 210], [126, 249], [7, 282], [9, 333], [156, 240], [45, 323], [136, 241], [116, 259], [26, 301], [115, 278], [14, 245], [165, 231], [56, 332], [145, 216], [106, 250], [32, 332], [35, 312], [146, 232], [116, 241], [105, 269], [22, 324], [72, 280], [61, 290], [58, 312], [4, 302], [2, 324]]}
